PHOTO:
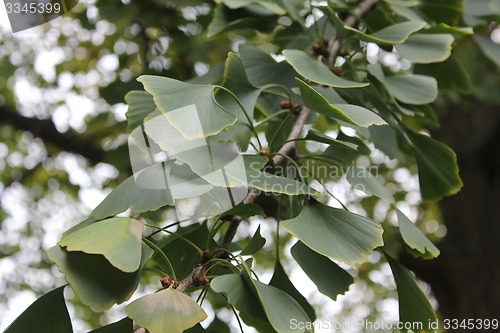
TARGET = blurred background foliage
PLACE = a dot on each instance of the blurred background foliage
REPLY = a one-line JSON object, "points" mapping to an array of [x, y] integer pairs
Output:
{"points": [[63, 147]]}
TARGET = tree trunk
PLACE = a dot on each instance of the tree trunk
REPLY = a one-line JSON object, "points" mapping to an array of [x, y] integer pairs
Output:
{"points": [[465, 278]]}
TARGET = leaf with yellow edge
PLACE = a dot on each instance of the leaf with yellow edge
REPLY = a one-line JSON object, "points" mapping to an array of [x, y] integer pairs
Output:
{"points": [[181, 101], [168, 310], [335, 233], [117, 239]]}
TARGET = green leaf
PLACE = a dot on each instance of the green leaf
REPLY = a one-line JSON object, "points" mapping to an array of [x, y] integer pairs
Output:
{"points": [[236, 80], [126, 325], [459, 81], [224, 19], [279, 307], [255, 244], [437, 167], [123, 250], [281, 281], [129, 195], [394, 34], [196, 329], [95, 281], [446, 11], [140, 105], [268, 182], [175, 98], [330, 279], [245, 211], [411, 89], [415, 238], [489, 48], [182, 255], [335, 233], [274, 8], [426, 48], [241, 297], [385, 138], [48, 314], [414, 307], [352, 114], [443, 28], [316, 71], [362, 179], [166, 311], [263, 70], [314, 135]]}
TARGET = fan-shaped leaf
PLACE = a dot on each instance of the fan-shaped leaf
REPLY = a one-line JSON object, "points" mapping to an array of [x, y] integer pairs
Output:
{"points": [[414, 307], [95, 281], [411, 89], [362, 179], [236, 80], [351, 114], [437, 167], [166, 311], [316, 71], [282, 281], [129, 195], [173, 98], [255, 244], [126, 325], [330, 279], [140, 105], [123, 250], [335, 233], [415, 239], [426, 48], [280, 308], [48, 314], [394, 34], [242, 298]]}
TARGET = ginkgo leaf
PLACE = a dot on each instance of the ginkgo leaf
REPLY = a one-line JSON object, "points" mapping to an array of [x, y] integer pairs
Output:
{"points": [[140, 105], [95, 281], [236, 80], [314, 135], [255, 244], [316, 71], [168, 310], [426, 48], [437, 167], [393, 34], [268, 182], [352, 114], [280, 308], [48, 314], [362, 179], [129, 195], [179, 101], [123, 326], [411, 89], [414, 307], [335, 233], [415, 238], [489, 48], [241, 296], [330, 279], [122, 249], [281, 280]]}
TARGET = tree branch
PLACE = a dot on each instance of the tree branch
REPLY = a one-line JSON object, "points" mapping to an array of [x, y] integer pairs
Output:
{"points": [[47, 131]]}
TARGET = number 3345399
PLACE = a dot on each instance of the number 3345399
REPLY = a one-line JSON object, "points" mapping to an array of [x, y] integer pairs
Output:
{"points": [[33, 8]]}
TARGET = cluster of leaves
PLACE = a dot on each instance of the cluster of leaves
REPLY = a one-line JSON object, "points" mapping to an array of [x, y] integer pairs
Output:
{"points": [[104, 257]]}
